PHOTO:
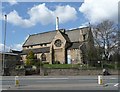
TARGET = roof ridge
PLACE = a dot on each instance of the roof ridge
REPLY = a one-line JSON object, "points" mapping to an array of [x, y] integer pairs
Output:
{"points": [[75, 29], [45, 32], [59, 29], [42, 33]]}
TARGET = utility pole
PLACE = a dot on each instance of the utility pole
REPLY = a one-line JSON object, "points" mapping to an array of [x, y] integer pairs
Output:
{"points": [[4, 62]]}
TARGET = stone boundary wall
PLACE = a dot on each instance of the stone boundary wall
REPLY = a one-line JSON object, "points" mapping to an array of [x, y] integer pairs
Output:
{"points": [[73, 72], [18, 73], [64, 72]]}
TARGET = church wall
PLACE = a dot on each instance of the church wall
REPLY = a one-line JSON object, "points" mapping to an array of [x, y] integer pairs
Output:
{"points": [[23, 57], [47, 56], [84, 34], [75, 55], [59, 55], [59, 52], [37, 46]]}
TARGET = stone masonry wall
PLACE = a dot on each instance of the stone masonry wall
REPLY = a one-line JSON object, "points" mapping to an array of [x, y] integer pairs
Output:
{"points": [[73, 72]]}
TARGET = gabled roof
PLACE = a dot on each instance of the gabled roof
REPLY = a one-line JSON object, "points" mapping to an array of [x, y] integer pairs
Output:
{"points": [[47, 37], [15, 51], [75, 45], [74, 34], [40, 38], [8, 53], [65, 36]]}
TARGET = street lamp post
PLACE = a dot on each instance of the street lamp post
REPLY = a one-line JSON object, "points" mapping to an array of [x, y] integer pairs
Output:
{"points": [[4, 62]]}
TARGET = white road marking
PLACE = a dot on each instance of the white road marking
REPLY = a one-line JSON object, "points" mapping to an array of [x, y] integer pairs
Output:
{"points": [[113, 78], [48, 78], [116, 85], [55, 78], [2, 89], [105, 85], [111, 83]]}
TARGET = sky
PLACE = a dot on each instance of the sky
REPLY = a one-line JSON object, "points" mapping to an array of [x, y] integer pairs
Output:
{"points": [[27, 18]]}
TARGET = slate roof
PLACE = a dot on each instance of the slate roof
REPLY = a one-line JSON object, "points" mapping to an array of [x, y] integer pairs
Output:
{"points": [[38, 50], [8, 53], [75, 45], [40, 38], [47, 37], [73, 35], [65, 36], [15, 51]]}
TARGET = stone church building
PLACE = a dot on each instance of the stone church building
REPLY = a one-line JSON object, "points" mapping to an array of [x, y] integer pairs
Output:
{"points": [[65, 46]]}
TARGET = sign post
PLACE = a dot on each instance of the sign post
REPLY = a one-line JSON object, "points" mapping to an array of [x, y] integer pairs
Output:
{"points": [[17, 81], [100, 80]]}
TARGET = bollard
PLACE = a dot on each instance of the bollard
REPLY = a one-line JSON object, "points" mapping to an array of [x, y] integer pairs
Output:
{"points": [[100, 80], [16, 81]]}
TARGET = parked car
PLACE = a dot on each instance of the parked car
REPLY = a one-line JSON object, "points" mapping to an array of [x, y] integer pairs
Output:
{"points": [[29, 70], [19, 67]]}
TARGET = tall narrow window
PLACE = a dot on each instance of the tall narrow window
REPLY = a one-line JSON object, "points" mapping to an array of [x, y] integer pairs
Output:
{"points": [[84, 36], [43, 57]]}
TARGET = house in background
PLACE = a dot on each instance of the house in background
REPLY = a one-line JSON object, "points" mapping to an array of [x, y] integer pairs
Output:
{"points": [[65, 46], [11, 59]]}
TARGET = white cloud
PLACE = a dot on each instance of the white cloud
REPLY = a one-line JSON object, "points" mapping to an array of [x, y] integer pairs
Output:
{"points": [[0, 16], [17, 19], [26, 37], [2, 48], [14, 47], [65, 13], [86, 24], [41, 14], [17, 47], [98, 10], [12, 2]]}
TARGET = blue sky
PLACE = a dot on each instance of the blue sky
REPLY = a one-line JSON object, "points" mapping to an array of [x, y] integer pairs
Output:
{"points": [[26, 18]]}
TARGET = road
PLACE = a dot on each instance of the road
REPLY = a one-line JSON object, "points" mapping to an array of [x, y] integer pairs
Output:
{"points": [[60, 83]]}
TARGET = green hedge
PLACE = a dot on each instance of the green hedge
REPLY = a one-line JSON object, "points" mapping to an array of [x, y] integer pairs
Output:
{"points": [[76, 66], [112, 66], [67, 66]]}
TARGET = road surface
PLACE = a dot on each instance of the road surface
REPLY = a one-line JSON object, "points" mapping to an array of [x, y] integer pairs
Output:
{"points": [[60, 83]]}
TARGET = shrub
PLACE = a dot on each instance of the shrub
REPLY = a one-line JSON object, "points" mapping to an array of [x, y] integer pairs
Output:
{"points": [[109, 66], [56, 62], [45, 74], [38, 64], [45, 62]]}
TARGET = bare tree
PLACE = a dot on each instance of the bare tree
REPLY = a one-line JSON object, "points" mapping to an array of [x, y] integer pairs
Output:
{"points": [[105, 36]]}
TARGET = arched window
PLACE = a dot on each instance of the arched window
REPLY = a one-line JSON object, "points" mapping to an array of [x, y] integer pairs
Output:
{"points": [[84, 37], [43, 57]]}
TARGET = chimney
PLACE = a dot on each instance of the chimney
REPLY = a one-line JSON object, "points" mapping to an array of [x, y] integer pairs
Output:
{"points": [[57, 23]]}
